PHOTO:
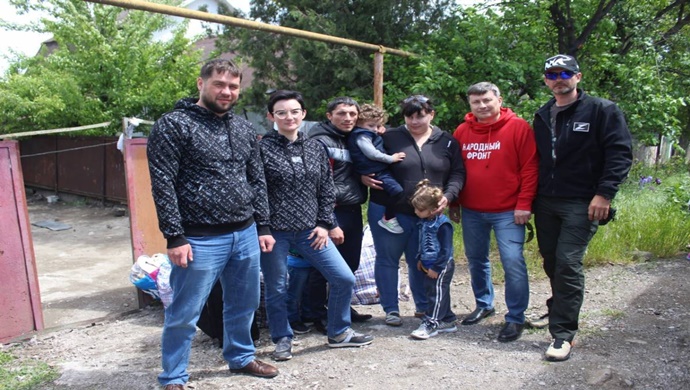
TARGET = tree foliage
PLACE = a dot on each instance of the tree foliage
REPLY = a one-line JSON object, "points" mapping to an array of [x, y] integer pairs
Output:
{"points": [[107, 66], [633, 52], [320, 70]]}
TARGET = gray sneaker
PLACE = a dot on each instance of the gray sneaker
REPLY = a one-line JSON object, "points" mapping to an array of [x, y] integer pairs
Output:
{"points": [[393, 319], [538, 323], [446, 327], [425, 330], [283, 349], [350, 338]]}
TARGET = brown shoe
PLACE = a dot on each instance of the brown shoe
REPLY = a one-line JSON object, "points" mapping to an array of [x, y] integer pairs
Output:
{"points": [[174, 386], [257, 368]]}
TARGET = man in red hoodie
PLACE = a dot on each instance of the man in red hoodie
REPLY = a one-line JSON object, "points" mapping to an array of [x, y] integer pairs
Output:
{"points": [[500, 156]]}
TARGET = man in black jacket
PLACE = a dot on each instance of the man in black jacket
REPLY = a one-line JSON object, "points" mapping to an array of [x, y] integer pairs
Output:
{"points": [[210, 194], [342, 115], [585, 153]]}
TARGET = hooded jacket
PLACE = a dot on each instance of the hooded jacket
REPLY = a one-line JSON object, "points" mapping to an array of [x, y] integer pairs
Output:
{"points": [[301, 194], [593, 149], [349, 189], [206, 173], [501, 162], [438, 160]]}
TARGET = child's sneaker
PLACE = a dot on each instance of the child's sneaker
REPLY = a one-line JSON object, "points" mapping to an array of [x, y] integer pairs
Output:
{"points": [[391, 225], [446, 327], [350, 338], [425, 330]]}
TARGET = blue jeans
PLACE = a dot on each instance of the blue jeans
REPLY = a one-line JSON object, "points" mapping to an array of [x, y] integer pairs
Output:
{"points": [[296, 281], [476, 234], [389, 249], [349, 219], [327, 261], [234, 258]]}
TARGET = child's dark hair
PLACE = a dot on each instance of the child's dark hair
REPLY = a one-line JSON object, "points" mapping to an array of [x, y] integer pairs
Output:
{"points": [[426, 196]]}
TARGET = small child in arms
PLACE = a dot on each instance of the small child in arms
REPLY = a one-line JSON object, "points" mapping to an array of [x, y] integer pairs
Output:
{"points": [[370, 157]]}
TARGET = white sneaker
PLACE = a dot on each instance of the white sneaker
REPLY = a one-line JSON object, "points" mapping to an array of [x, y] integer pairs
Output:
{"points": [[558, 351], [391, 225], [424, 331], [446, 327]]}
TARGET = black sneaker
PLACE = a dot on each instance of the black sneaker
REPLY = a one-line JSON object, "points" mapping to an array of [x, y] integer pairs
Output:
{"points": [[318, 324], [357, 317], [299, 327], [350, 338]]}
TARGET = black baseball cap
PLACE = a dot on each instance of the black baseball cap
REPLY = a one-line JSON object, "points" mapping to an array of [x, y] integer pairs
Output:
{"points": [[562, 61]]}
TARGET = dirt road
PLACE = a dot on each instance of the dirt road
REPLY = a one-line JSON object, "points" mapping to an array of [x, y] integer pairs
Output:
{"points": [[635, 333]]}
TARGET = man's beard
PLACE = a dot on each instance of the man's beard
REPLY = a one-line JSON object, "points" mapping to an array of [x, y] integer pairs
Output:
{"points": [[562, 89], [215, 107]]}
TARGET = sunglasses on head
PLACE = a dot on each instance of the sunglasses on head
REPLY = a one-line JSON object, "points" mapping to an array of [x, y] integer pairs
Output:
{"points": [[564, 75], [419, 98]]}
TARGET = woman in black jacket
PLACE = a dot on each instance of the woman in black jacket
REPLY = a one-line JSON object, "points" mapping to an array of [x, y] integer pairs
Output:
{"points": [[432, 154]]}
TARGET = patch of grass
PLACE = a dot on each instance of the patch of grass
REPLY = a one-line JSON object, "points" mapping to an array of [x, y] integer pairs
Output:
{"points": [[647, 221], [18, 374], [613, 313]]}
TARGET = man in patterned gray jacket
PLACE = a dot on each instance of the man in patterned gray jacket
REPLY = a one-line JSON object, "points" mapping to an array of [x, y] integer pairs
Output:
{"points": [[210, 195]]}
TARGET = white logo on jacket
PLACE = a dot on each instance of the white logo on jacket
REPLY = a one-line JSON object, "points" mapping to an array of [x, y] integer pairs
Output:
{"points": [[582, 127]]}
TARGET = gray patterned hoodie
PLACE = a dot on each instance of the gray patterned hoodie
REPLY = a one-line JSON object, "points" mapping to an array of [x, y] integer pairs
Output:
{"points": [[206, 173], [301, 193]]}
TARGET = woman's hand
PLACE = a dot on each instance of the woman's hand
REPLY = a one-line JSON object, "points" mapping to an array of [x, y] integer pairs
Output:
{"points": [[370, 182], [337, 235], [442, 204], [320, 236]]}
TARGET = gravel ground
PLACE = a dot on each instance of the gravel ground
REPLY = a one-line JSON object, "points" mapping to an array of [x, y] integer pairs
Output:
{"points": [[635, 333]]}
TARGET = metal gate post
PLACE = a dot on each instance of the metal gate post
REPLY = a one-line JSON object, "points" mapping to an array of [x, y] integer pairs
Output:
{"points": [[20, 301], [146, 237]]}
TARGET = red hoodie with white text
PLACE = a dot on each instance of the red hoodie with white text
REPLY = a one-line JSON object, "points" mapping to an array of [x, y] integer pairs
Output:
{"points": [[501, 163]]}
